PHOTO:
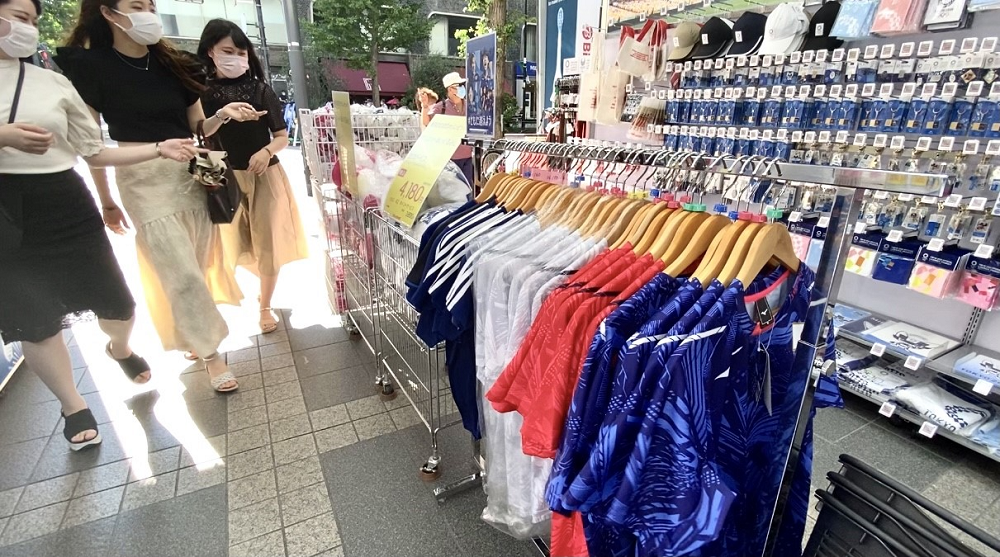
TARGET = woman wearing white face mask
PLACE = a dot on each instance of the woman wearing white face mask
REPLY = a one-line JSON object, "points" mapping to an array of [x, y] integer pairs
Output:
{"points": [[56, 263], [267, 231], [148, 91]]}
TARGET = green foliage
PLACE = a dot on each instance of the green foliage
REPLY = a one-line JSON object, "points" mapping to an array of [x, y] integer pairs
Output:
{"points": [[356, 31], [58, 18], [509, 110], [318, 79], [505, 30], [427, 72]]}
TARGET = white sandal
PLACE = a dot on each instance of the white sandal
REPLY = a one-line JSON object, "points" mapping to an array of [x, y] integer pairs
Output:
{"points": [[267, 327], [219, 381]]}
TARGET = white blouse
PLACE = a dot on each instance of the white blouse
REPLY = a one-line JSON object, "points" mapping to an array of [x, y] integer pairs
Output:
{"points": [[48, 100]]}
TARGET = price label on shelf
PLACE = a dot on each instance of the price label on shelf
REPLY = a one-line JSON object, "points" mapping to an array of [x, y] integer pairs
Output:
{"points": [[913, 363], [842, 136], [885, 91], [860, 140], [794, 58], [878, 349], [824, 136], [905, 197], [923, 144], [936, 244], [754, 60], [953, 200], [821, 56], [868, 89], [928, 90], [661, 94], [895, 236], [899, 141], [887, 409], [947, 47], [628, 87], [925, 48], [871, 52], [795, 216], [968, 45], [988, 45], [993, 147], [995, 90], [810, 137], [767, 135], [781, 135], [984, 251], [949, 90], [836, 91], [810, 55], [928, 199], [719, 62], [881, 140], [790, 91], [776, 91], [821, 90], [881, 194], [975, 89], [888, 50], [761, 93], [977, 204], [970, 147], [928, 429], [906, 50], [983, 387], [658, 129], [860, 227], [797, 136], [766, 60], [851, 90], [853, 55], [946, 144], [909, 89], [804, 92], [838, 55]]}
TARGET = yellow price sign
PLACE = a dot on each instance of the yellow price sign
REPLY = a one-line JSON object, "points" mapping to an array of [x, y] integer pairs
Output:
{"points": [[422, 166], [345, 141]]}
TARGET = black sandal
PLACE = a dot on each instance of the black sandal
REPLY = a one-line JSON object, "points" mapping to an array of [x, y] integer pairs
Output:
{"points": [[133, 366], [78, 423]]}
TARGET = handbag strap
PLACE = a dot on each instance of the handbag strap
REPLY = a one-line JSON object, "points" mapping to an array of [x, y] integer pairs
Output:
{"points": [[17, 94]]}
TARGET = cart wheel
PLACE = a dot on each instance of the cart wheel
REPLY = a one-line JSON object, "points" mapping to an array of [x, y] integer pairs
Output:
{"points": [[386, 392], [350, 328], [429, 474]]}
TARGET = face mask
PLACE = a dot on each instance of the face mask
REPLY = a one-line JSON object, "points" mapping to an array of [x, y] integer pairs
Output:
{"points": [[460, 91], [231, 65], [147, 29], [21, 42]]}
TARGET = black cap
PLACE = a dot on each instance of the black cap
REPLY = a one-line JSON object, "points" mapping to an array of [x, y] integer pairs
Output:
{"points": [[748, 34], [819, 28], [715, 36]]}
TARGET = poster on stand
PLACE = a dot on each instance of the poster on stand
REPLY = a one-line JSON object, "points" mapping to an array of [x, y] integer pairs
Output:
{"points": [[569, 33], [481, 73]]}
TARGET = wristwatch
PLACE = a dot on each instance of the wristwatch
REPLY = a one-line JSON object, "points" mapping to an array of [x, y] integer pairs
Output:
{"points": [[219, 116]]}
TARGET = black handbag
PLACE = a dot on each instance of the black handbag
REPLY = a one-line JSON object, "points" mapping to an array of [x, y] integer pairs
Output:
{"points": [[11, 229], [223, 189]]}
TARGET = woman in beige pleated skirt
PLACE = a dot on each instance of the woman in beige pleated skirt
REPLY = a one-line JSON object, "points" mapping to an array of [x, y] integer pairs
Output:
{"points": [[266, 232]]}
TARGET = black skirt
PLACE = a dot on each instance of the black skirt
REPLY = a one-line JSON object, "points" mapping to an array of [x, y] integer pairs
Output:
{"points": [[64, 268]]}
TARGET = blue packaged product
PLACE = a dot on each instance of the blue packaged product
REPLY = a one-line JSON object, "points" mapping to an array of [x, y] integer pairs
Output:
{"points": [[751, 113], [984, 112], [770, 113], [916, 116], [960, 120], [895, 115], [938, 112]]}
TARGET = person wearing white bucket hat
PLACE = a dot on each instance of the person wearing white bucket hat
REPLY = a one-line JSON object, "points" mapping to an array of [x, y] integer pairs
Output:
{"points": [[453, 105]]}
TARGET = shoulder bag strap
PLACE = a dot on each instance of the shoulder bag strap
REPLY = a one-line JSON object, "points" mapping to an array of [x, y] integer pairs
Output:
{"points": [[17, 94]]}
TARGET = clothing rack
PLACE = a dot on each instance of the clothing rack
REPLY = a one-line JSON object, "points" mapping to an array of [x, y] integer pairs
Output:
{"points": [[850, 184]]}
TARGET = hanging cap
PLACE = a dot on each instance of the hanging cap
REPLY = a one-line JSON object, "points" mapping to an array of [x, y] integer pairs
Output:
{"points": [[819, 28], [748, 33], [785, 30], [715, 37], [682, 39]]}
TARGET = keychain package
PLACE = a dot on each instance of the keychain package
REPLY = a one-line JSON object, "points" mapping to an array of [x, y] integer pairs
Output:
{"points": [[895, 261], [937, 274], [980, 283]]}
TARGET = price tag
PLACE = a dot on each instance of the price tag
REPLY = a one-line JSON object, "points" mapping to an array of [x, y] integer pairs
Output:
{"points": [[658, 129], [776, 91], [697, 94], [744, 133], [797, 136], [821, 90], [719, 62], [953, 200], [975, 89], [923, 144], [810, 137], [754, 60], [881, 194], [649, 86], [795, 216], [905, 197], [706, 3], [761, 93], [898, 141], [838, 55], [851, 90], [993, 147], [804, 91], [885, 91], [909, 89], [860, 227], [730, 63], [988, 45], [946, 144], [767, 135], [928, 429], [767, 60], [928, 199], [836, 90], [754, 134], [742, 61], [878, 349], [779, 59], [871, 52], [860, 140], [928, 90], [823, 222], [906, 50], [947, 47], [790, 91], [925, 48], [913, 362], [983, 387], [628, 87], [868, 89], [887, 409], [824, 136], [984, 251], [881, 140], [809, 55], [795, 58], [895, 236], [750, 92], [853, 54], [888, 50], [949, 90], [936, 244], [661, 94], [969, 45], [995, 90], [782, 135]]}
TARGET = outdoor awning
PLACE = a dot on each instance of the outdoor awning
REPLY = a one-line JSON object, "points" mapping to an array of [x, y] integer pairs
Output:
{"points": [[393, 78]]}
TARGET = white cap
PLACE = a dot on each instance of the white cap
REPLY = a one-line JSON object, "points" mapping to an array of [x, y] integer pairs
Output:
{"points": [[452, 79], [786, 29]]}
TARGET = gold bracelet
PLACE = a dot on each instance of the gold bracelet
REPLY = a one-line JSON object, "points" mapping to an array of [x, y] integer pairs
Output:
{"points": [[159, 154]]}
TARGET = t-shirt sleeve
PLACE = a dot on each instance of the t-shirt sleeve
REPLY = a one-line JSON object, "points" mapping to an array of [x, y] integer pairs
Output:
{"points": [[275, 113], [82, 131], [438, 108]]}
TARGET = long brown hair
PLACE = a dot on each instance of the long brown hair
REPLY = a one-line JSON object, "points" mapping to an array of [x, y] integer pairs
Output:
{"points": [[93, 31]]}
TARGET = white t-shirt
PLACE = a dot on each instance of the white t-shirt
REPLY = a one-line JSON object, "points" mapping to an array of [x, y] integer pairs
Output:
{"points": [[48, 100]]}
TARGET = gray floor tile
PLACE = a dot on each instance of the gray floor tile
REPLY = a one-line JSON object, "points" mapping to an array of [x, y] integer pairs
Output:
{"points": [[18, 460], [242, 355], [405, 417], [286, 408], [304, 503], [48, 492], [365, 407], [8, 501], [336, 437], [250, 417], [249, 438], [192, 479], [33, 524], [312, 337], [251, 382], [254, 521], [269, 545], [963, 491], [101, 478], [218, 443], [86, 384], [197, 387], [338, 387], [899, 458], [159, 463], [167, 529], [312, 536], [243, 400], [374, 426], [328, 417], [299, 474], [281, 375], [89, 540], [833, 424], [294, 449], [275, 349], [282, 391], [24, 421], [290, 427], [324, 359], [279, 361], [209, 416], [272, 338], [252, 490], [149, 491], [93, 507], [250, 462], [399, 402], [249, 367]]}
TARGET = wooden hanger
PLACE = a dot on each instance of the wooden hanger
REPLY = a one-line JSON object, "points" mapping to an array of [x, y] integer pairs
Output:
{"points": [[680, 231], [629, 213], [540, 189], [678, 260], [652, 232], [633, 224], [736, 258], [490, 186], [587, 210], [555, 206], [649, 223], [773, 241]]}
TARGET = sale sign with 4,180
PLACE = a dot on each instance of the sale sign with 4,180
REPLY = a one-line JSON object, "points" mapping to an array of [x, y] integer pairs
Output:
{"points": [[422, 166]]}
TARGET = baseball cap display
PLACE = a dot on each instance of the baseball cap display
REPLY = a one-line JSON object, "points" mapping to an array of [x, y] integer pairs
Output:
{"points": [[820, 26], [682, 39], [748, 33], [715, 37], [785, 30]]}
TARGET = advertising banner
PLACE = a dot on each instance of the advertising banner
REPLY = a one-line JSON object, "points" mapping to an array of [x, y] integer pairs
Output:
{"points": [[481, 73], [569, 32]]}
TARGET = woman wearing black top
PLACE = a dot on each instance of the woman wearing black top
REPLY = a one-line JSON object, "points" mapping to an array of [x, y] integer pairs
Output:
{"points": [[147, 92], [266, 232]]}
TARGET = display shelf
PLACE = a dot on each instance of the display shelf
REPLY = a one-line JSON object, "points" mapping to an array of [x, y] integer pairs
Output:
{"points": [[918, 420], [892, 350], [945, 364]]}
